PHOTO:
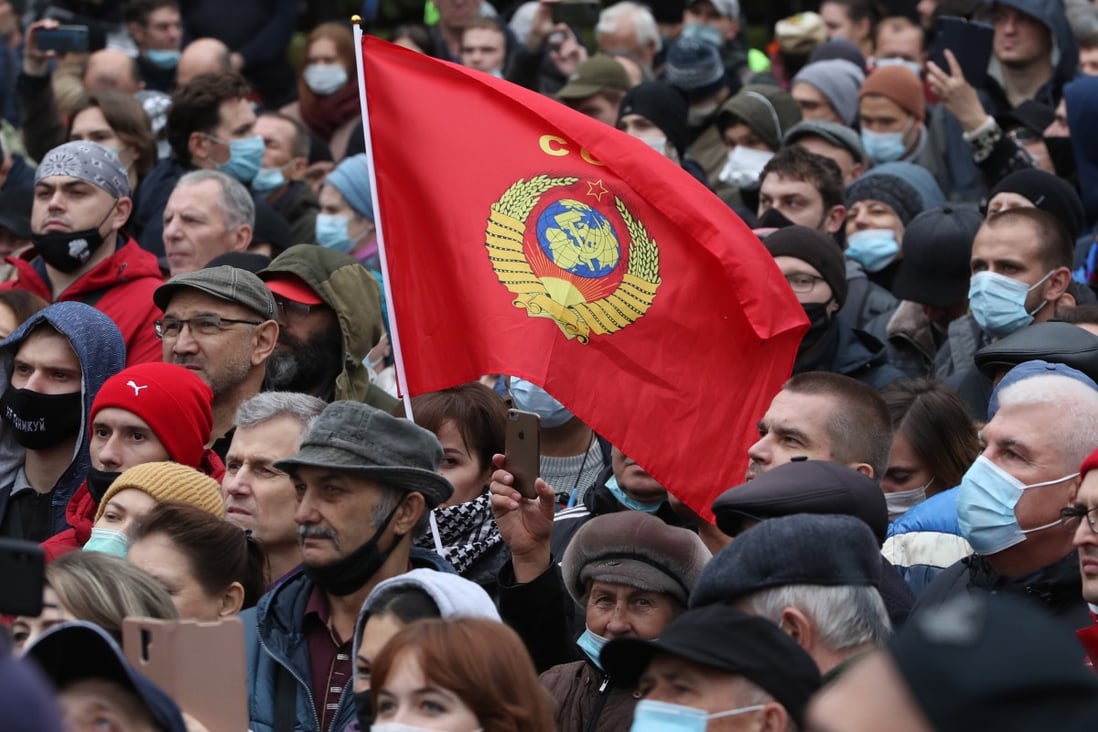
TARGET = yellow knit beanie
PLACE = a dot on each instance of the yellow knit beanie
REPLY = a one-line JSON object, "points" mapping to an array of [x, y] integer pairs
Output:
{"points": [[169, 482]]}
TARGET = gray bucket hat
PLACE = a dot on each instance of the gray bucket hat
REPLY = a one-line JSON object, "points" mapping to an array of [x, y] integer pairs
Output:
{"points": [[352, 437]]}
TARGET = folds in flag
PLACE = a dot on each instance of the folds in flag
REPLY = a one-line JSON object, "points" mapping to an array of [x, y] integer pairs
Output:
{"points": [[524, 238]]}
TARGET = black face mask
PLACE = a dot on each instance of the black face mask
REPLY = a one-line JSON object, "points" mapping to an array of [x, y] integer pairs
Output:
{"points": [[41, 421], [1062, 156], [99, 481], [820, 321], [773, 219], [353, 571], [364, 709], [67, 251]]}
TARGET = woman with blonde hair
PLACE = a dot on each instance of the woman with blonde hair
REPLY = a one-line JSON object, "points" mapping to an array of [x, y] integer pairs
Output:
{"points": [[458, 675], [96, 587]]}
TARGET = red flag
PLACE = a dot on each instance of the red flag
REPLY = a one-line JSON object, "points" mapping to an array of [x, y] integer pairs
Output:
{"points": [[524, 238]]}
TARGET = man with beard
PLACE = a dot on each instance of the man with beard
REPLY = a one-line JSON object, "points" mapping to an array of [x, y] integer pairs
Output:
{"points": [[365, 483], [329, 310], [219, 323]]}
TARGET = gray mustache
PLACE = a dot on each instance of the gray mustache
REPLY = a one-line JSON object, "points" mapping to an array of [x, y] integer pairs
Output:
{"points": [[317, 532]]}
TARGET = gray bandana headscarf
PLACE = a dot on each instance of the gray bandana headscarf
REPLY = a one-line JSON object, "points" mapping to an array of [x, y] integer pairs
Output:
{"points": [[88, 161]]}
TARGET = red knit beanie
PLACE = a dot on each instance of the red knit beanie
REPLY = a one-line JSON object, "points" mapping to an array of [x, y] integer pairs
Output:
{"points": [[899, 85], [1088, 465], [173, 401]]}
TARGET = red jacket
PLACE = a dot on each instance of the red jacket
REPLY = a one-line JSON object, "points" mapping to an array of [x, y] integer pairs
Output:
{"points": [[80, 512], [121, 286]]}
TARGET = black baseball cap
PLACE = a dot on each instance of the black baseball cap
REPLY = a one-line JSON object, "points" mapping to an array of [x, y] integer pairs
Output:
{"points": [[727, 640]]}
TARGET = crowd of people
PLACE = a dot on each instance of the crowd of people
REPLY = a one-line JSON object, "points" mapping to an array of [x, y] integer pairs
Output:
{"points": [[199, 422]]}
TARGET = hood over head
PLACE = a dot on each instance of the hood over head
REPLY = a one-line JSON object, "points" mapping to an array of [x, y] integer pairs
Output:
{"points": [[347, 287], [101, 351]]}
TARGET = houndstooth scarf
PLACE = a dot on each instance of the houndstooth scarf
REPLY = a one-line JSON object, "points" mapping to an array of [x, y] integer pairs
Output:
{"points": [[462, 534]]}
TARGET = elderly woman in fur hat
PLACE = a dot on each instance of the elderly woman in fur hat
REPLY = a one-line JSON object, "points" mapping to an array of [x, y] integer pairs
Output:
{"points": [[632, 573]]}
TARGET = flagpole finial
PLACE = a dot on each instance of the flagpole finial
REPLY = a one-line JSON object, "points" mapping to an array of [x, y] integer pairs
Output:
{"points": [[356, 19]]}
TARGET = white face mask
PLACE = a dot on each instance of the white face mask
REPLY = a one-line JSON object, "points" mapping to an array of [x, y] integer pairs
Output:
{"points": [[901, 501], [912, 66], [657, 143], [744, 166], [324, 79]]}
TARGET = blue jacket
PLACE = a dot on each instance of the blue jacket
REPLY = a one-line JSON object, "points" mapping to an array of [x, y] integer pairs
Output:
{"points": [[273, 638], [102, 353], [926, 540]]}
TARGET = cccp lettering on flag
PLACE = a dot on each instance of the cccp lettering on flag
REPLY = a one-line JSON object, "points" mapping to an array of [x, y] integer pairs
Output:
{"points": [[525, 238]]}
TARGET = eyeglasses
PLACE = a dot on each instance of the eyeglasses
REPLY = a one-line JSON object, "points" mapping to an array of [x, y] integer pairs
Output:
{"points": [[802, 281], [1070, 516], [295, 310], [203, 325]]}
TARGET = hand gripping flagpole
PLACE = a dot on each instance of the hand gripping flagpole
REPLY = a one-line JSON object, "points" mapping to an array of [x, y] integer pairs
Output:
{"points": [[398, 355]]}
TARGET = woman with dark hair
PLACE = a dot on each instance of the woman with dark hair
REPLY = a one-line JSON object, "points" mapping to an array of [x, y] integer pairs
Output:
{"points": [[469, 420], [458, 675], [117, 121], [327, 87], [211, 568], [934, 442]]}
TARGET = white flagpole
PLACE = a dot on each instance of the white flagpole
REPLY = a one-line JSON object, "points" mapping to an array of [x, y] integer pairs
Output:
{"points": [[398, 355]]}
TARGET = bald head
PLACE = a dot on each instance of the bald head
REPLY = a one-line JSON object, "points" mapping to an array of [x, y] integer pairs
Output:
{"points": [[111, 69], [202, 56]]}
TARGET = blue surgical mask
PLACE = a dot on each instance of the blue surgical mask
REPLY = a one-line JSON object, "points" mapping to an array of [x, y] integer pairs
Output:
{"points": [[627, 500], [884, 147], [245, 157], [703, 32], [998, 302], [331, 232], [650, 715], [985, 507], [163, 59], [108, 541], [591, 644], [323, 79], [529, 397], [268, 179], [874, 249]]}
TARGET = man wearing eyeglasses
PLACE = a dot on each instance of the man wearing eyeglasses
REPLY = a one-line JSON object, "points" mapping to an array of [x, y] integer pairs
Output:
{"points": [[220, 323], [1010, 506], [813, 265], [329, 313]]}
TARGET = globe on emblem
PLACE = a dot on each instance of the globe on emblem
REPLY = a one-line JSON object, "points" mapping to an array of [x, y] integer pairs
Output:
{"points": [[578, 239]]}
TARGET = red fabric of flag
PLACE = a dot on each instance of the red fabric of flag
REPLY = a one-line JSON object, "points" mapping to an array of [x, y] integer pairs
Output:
{"points": [[525, 238]]}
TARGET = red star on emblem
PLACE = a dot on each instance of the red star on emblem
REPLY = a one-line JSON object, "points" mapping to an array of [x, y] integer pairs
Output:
{"points": [[597, 189]]}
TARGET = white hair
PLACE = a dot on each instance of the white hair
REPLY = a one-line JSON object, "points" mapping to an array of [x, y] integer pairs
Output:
{"points": [[1076, 426], [644, 23], [845, 616]]}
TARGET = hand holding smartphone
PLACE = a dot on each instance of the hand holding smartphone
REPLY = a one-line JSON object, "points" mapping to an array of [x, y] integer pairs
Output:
{"points": [[22, 577], [522, 447]]}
